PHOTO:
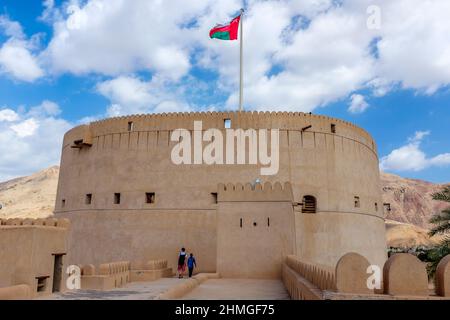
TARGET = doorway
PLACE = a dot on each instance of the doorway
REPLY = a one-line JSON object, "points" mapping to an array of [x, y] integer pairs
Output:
{"points": [[57, 272]]}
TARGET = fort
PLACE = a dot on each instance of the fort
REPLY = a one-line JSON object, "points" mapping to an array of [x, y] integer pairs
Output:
{"points": [[127, 200], [314, 227], [251, 145]]}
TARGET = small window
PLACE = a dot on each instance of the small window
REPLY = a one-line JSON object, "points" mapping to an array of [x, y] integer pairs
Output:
{"points": [[227, 123], [41, 284], [150, 197], [88, 199], [130, 126], [241, 223], [63, 203], [309, 204], [116, 198], [268, 222], [214, 197], [255, 224], [333, 128], [357, 202], [376, 206], [387, 207]]}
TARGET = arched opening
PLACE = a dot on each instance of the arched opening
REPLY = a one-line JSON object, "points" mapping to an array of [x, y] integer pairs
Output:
{"points": [[309, 204]]}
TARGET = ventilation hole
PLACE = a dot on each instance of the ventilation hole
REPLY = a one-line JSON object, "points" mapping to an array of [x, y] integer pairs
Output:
{"points": [[149, 197], [309, 204], [214, 197], [357, 202], [333, 128], [88, 199], [116, 198]]}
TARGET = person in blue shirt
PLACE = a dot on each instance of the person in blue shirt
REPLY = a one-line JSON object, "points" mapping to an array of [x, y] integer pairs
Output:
{"points": [[191, 264]]}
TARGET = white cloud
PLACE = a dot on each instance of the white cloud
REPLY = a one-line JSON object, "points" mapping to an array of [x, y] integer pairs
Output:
{"points": [[129, 94], [30, 140], [358, 104], [51, 13], [26, 128], [8, 115], [11, 29], [418, 136], [16, 57], [411, 158], [113, 37], [47, 107], [126, 91], [299, 55], [414, 48]]}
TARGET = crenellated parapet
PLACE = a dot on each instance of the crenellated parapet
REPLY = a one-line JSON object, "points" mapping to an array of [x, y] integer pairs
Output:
{"points": [[116, 274], [48, 222], [244, 116], [238, 192], [164, 123]]}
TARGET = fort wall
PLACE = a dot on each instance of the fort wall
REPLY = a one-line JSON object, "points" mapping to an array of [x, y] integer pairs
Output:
{"points": [[33, 254], [329, 159]]}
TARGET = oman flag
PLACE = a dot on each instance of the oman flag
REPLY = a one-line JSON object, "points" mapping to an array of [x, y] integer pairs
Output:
{"points": [[226, 32]]}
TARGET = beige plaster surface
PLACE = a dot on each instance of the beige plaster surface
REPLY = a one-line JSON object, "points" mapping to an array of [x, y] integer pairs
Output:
{"points": [[332, 167], [27, 252], [239, 289]]}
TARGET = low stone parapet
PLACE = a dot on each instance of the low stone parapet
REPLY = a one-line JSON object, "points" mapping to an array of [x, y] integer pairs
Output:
{"points": [[47, 222], [404, 278], [150, 270], [19, 292], [405, 274], [321, 276], [298, 287], [110, 275], [443, 277]]}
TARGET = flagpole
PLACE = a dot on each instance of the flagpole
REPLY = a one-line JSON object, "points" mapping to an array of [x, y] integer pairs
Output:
{"points": [[241, 74]]}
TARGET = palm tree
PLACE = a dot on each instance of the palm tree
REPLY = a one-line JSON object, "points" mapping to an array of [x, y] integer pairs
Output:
{"points": [[441, 224], [442, 220]]}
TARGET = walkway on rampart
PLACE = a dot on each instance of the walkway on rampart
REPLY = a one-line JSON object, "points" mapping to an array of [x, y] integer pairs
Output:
{"points": [[239, 289], [131, 291], [213, 289]]}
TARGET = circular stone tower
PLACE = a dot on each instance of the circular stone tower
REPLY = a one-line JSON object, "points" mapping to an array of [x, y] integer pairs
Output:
{"points": [[128, 199]]}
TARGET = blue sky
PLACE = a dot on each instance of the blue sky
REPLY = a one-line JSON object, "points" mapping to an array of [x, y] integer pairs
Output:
{"points": [[63, 63]]}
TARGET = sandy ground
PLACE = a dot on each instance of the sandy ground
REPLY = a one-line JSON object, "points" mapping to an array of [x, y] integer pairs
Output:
{"points": [[239, 289]]}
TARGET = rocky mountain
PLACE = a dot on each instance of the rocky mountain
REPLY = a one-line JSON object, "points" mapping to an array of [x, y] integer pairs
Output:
{"points": [[29, 197], [403, 235], [409, 201]]}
